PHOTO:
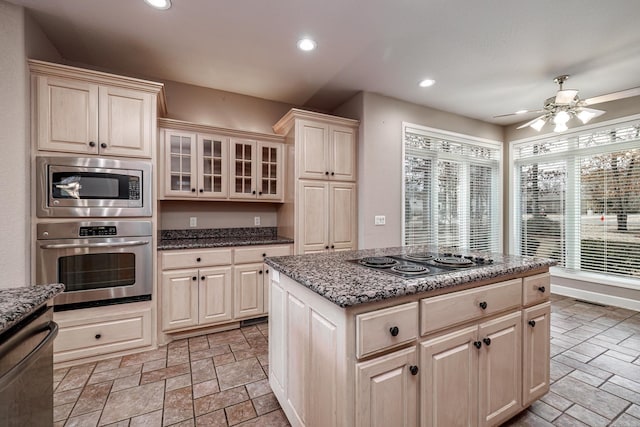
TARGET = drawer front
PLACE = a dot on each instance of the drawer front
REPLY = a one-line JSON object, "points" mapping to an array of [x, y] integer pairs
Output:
{"points": [[448, 310], [258, 253], [103, 336], [386, 328], [536, 289], [189, 259]]}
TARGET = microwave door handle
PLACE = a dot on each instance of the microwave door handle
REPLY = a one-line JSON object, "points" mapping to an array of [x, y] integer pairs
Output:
{"points": [[93, 245]]}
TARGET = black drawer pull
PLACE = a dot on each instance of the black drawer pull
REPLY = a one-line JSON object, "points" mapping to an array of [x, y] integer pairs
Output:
{"points": [[326, 247], [198, 259], [253, 192], [326, 173], [478, 344], [98, 336], [487, 341], [201, 190], [483, 305], [332, 173], [260, 272], [194, 278], [332, 247], [92, 144], [413, 369], [266, 271], [532, 323], [103, 145], [542, 289], [202, 277], [394, 331], [193, 190], [264, 254]]}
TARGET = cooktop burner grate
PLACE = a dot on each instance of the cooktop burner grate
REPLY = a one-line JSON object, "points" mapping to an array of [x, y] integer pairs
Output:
{"points": [[419, 257], [378, 262], [453, 261], [410, 269]]}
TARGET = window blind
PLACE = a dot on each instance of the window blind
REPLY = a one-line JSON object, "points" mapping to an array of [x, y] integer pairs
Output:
{"points": [[578, 199], [451, 190]]}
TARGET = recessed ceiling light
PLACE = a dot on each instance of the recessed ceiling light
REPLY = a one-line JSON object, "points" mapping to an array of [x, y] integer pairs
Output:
{"points": [[159, 4], [427, 83], [306, 44], [522, 111]]}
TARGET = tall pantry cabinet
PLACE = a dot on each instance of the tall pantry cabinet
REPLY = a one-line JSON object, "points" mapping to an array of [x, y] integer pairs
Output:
{"points": [[320, 209]]}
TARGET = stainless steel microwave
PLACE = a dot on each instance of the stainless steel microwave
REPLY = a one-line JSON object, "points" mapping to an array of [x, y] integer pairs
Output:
{"points": [[92, 187]]}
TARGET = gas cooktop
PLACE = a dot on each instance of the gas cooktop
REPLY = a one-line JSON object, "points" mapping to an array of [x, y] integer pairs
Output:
{"points": [[423, 263]]}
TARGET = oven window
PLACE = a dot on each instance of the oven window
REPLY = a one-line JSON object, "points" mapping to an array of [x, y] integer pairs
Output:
{"points": [[89, 185], [95, 271]]}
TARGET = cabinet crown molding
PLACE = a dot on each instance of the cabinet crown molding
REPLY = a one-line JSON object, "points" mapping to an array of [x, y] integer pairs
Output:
{"points": [[174, 124], [66, 71], [287, 121]]}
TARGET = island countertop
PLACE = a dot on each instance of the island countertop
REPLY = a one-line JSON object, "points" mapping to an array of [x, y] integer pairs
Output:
{"points": [[18, 303], [346, 284]]}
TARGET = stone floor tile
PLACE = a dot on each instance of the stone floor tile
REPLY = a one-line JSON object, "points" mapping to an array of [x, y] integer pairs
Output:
{"points": [[126, 382], [209, 352], [162, 374], [226, 337], [92, 398], [624, 393], [577, 356], [64, 397], [556, 401], [272, 419], [223, 359], [244, 354], [212, 419], [558, 370], [239, 346], [58, 374], [123, 423], [220, 400], [152, 419], [202, 370], [205, 388], [589, 369], [86, 420], [611, 364], [145, 356], [108, 365], [180, 381], [154, 365], [589, 349], [178, 406], [527, 419], [263, 358], [632, 342], [61, 412], [198, 343], [240, 412], [133, 402], [625, 420], [586, 378], [177, 356], [621, 356], [76, 377], [239, 373], [258, 388], [586, 416], [565, 420], [618, 348], [268, 403], [634, 410], [185, 423], [113, 374], [626, 383], [565, 342], [598, 401]]}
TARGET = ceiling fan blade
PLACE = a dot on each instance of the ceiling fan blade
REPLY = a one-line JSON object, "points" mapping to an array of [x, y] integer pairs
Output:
{"points": [[519, 114], [530, 122], [627, 93], [566, 96]]}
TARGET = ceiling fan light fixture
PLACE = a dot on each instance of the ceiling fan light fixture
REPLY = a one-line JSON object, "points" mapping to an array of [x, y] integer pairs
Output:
{"points": [[538, 124], [560, 127], [561, 118], [584, 116], [159, 4]]}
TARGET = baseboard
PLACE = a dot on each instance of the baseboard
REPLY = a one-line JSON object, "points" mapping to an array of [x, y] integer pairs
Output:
{"points": [[596, 297]]}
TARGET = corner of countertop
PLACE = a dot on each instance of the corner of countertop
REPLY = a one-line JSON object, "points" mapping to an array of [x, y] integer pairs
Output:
{"points": [[18, 303]]}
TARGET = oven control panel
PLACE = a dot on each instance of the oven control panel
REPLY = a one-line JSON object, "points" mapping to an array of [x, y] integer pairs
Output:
{"points": [[98, 231]]}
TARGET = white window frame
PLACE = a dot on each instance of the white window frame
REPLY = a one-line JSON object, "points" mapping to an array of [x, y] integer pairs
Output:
{"points": [[466, 139]]}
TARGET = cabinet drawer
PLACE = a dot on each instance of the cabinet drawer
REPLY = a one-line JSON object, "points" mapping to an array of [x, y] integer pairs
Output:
{"points": [[375, 330], [102, 335], [536, 288], [448, 310], [195, 258], [258, 253]]}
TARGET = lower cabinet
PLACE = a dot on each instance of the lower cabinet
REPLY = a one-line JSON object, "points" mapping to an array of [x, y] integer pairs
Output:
{"points": [[536, 327], [248, 290], [387, 390]]}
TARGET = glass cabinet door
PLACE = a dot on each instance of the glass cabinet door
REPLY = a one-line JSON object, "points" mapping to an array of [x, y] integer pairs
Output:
{"points": [[243, 169], [212, 162], [270, 171], [180, 162]]}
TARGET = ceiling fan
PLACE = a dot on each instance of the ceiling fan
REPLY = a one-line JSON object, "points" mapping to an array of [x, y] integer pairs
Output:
{"points": [[559, 109]]}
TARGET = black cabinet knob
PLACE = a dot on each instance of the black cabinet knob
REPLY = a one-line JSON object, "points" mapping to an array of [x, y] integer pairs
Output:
{"points": [[253, 192], [413, 369], [260, 272], [103, 145], [332, 247], [198, 259], [202, 190], [483, 305], [193, 190], [194, 278], [266, 272], [202, 277], [98, 336], [326, 173], [478, 344], [259, 193], [332, 173], [542, 289], [487, 341], [264, 254], [394, 331], [532, 323], [92, 144], [326, 247]]}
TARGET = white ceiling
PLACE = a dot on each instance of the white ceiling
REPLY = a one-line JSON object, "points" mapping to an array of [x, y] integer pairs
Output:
{"points": [[488, 57]]}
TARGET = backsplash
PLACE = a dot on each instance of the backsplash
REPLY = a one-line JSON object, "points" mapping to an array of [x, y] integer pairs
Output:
{"points": [[219, 233]]}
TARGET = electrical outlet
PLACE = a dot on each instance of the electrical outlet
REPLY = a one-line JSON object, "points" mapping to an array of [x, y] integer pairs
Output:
{"points": [[256, 220], [193, 221], [380, 220]]}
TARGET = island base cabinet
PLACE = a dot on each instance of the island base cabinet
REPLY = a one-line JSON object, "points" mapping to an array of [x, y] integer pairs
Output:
{"points": [[387, 390], [536, 335]]}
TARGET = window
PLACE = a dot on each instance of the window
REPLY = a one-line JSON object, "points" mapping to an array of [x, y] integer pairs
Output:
{"points": [[578, 199], [452, 190]]}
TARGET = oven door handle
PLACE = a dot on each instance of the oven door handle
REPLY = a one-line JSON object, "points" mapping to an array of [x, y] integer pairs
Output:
{"points": [[94, 245]]}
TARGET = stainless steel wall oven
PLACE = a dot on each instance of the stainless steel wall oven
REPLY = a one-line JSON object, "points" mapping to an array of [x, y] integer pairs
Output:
{"points": [[100, 262]]}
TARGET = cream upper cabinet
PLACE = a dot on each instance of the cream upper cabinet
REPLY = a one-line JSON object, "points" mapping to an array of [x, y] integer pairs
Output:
{"points": [[195, 165], [87, 112], [327, 151], [256, 170], [327, 216]]}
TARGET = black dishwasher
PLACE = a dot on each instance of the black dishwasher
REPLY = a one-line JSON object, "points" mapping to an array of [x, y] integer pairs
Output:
{"points": [[26, 371]]}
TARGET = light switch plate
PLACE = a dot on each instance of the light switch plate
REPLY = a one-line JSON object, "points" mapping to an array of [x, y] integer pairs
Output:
{"points": [[193, 221], [380, 220], [256, 220]]}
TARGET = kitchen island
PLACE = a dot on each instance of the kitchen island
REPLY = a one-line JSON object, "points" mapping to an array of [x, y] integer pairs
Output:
{"points": [[351, 345]]}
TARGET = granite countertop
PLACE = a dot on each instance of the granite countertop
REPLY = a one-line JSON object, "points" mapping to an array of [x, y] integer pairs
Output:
{"points": [[348, 284], [220, 237], [18, 303]]}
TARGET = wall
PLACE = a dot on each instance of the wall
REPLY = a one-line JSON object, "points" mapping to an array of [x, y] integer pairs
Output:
{"points": [[380, 158], [174, 215], [20, 38]]}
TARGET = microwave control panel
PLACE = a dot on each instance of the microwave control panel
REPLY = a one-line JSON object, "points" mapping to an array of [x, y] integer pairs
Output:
{"points": [[134, 188], [98, 231]]}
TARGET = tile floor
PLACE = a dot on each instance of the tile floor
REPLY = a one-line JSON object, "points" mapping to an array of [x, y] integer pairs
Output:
{"points": [[221, 379]]}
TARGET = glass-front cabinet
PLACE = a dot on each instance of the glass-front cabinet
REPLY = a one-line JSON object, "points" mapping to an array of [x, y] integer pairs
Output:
{"points": [[213, 174], [256, 168]]}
